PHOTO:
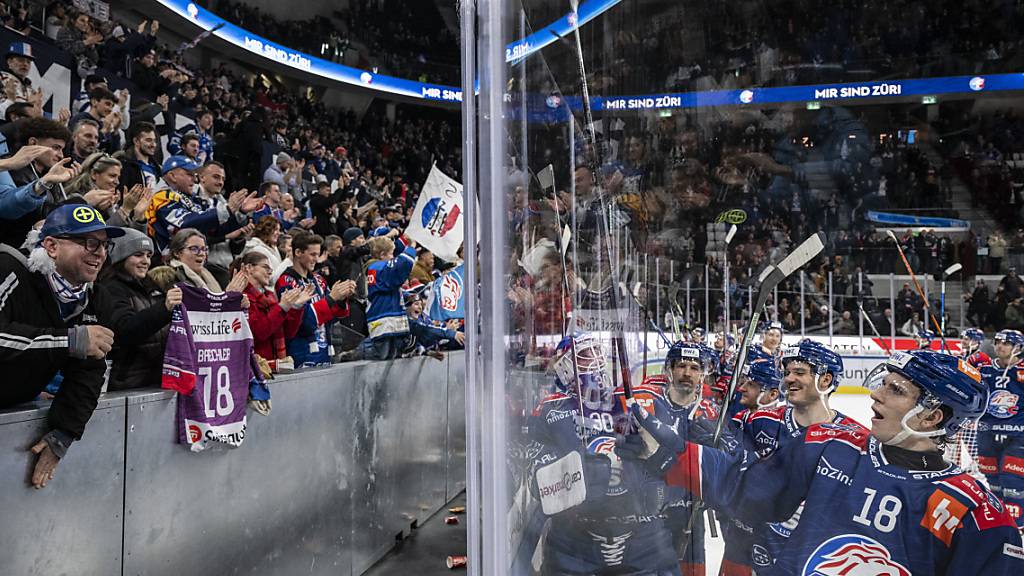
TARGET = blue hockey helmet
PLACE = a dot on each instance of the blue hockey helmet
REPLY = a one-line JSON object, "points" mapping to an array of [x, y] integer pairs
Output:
{"points": [[925, 334], [578, 356], [944, 380], [698, 335], [769, 326], [1011, 336], [974, 335], [819, 357], [700, 354], [764, 372]]}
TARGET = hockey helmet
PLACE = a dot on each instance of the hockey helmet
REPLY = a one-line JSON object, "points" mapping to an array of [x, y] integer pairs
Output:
{"points": [[578, 356], [944, 380], [819, 357], [705, 357]]}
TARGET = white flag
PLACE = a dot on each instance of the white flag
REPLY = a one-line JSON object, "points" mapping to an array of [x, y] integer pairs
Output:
{"points": [[436, 222]]}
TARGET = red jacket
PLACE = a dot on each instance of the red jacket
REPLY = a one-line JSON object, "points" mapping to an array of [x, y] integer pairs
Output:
{"points": [[266, 321]]}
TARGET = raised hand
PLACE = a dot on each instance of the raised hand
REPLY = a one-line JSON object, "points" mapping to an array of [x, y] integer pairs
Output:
{"points": [[23, 157], [61, 172]]}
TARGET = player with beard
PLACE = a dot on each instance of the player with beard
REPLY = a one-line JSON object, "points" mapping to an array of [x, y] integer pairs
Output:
{"points": [[883, 502]]}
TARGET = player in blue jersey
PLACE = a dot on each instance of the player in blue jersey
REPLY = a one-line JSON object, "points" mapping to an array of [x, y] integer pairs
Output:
{"points": [[812, 372], [1001, 429], [879, 503], [971, 342], [924, 339], [688, 367], [760, 389], [615, 524], [771, 339]]}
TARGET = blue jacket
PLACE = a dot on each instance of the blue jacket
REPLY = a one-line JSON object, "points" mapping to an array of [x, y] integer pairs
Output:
{"points": [[385, 315]]}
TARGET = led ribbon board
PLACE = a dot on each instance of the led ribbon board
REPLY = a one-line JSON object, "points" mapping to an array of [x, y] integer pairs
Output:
{"points": [[280, 54]]}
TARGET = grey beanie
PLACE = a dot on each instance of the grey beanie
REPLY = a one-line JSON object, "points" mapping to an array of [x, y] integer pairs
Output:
{"points": [[133, 241], [282, 159]]}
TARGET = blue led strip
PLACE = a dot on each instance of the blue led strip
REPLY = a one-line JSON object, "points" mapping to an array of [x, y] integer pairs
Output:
{"points": [[589, 10], [823, 93], [364, 78], [908, 221]]}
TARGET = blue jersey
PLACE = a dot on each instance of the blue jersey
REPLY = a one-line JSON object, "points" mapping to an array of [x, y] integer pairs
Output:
{"points": [[859, 509], [205, 142], [385, 315], [769, 430], [609, 532], [1005, 413], [306, 336]]}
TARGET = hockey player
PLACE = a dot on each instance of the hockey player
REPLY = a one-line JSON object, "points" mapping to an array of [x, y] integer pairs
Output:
{"points": [[878, 503], [771, 339], [688, 367], [971, 343], [760, 389], [812, 373], [1001, 429], [614, 526]]}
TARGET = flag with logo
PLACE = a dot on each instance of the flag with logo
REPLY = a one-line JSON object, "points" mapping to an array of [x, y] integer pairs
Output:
{"points": [[436, 223], [448, 296]]}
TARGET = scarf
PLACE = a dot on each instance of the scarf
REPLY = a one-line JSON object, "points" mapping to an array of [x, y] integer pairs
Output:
{"points": [[70, 298], [201, 280]]}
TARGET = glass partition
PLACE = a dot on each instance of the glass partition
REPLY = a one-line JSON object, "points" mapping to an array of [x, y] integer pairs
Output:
{"points": [[635, 179]]}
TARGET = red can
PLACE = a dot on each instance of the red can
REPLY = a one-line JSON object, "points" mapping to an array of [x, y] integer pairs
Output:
{"points": [[456, 562], [451, 520]]}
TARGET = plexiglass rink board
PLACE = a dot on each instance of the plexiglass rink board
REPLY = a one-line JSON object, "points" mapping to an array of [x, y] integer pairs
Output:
{"points": [[614, 165]]}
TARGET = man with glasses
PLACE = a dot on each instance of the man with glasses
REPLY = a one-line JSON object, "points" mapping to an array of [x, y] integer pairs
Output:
{"points": [[51, 321]]}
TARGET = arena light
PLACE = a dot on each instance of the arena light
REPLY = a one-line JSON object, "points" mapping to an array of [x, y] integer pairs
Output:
{"points": [[283, 55]]}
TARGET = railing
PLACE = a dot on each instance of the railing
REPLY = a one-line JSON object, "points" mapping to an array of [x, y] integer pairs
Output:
{"points": [[350, 457]]}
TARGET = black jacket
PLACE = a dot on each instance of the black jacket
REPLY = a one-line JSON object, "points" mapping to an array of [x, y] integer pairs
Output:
{"points": [[34, 345], [140, 321]]}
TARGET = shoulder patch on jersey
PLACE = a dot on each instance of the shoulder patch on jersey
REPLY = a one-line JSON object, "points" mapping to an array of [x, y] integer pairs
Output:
{"points": [[770, 414], [848, 553], [966, 484], [943, 515], [828, 432], [992, 514], [850, 422]]}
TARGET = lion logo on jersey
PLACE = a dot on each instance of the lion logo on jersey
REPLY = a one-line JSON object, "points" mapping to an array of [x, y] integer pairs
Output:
{"points": [[1003, 404], [852, 555]]}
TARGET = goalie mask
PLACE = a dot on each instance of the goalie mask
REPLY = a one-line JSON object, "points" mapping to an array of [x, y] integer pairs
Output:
{"points": [[943, 381], [579, 359]]}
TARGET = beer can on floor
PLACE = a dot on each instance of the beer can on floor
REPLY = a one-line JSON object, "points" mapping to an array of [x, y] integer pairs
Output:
{"points": [[451, 520], [456, 562]]}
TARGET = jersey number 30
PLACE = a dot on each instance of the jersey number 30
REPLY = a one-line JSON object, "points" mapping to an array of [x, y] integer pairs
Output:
{"points": [[884, 517], [224, 403]]}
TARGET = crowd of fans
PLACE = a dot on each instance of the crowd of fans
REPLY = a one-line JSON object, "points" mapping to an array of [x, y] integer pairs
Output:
{"points": [[104, 213]]}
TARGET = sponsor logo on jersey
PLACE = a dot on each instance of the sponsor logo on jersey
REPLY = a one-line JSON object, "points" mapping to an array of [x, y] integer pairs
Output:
{"points": [[1003, 404], [765, 439], [942, 516], [1013, 551], [759, 556], [987, 515], [1013, 465], [557, 415], [850, 555], [829, 471], [565, 483]]}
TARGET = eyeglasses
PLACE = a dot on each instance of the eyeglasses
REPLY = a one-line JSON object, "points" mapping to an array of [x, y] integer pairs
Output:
{"points": [[91, 245], [197, 250]]}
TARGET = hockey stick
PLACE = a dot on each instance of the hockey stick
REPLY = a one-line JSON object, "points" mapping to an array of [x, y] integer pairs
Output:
{"points": [[651, 323], [618, 338], [920, 292], [873, 329], [771, 277]]}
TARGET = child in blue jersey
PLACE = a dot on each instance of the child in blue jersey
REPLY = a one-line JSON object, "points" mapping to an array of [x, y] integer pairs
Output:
{"points": [[879, 503], [391, 262], [306, 336]]}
